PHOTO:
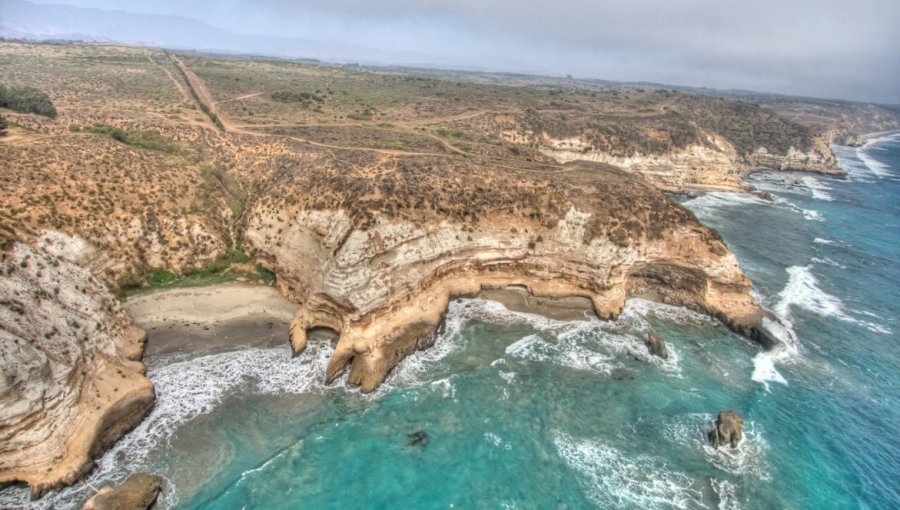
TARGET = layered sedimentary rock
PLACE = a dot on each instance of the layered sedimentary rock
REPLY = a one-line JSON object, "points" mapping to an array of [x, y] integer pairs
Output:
{"points": [[71, 380], [384, 289], [715, 164]]}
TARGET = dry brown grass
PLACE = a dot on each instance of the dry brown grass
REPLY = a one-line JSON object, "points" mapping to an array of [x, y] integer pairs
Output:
{"points": [[417, 146]]}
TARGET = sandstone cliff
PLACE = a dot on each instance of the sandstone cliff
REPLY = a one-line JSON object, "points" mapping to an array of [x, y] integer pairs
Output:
{"points": [[714, 164], [70, 377], [384, 288]]}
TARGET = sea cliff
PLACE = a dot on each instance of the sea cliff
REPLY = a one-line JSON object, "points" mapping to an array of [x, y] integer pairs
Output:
{"points": [[384, 288], [71, 380]]}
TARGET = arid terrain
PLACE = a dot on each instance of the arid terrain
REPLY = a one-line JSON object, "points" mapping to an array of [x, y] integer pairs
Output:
{"points": [[368, 196]]}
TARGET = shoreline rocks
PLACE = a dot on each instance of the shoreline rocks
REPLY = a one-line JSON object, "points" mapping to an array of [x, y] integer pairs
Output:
{"points": [[138, 492]]}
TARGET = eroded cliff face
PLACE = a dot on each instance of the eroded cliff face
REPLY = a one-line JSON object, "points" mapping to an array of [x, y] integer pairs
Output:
{"points": [[715, 164], [384, 289], [71, 380]]}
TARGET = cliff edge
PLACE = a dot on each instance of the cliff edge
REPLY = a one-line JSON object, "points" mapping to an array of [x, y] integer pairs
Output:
{"points": [[385, 286]]}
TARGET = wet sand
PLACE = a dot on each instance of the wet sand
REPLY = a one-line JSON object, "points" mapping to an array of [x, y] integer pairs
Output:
{"points": [[558, 308]]}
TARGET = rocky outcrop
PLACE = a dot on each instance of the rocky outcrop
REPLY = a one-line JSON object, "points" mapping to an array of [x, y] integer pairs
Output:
{"points": [[818, 159], [657, 345], [713, 165], [729, 430], [385, 289], [71, 380], [138, 492]]}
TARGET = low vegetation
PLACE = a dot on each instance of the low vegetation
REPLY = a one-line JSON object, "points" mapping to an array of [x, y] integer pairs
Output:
{"points": [[303, 99], [151, 140], [26, 100], [231, 266]]}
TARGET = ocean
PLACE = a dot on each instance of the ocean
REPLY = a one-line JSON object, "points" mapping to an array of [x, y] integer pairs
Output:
{"points": [[512, 410]]}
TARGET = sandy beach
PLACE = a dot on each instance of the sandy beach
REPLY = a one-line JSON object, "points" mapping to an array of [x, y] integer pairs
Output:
{"points": [[227, 316], [214, 318]]}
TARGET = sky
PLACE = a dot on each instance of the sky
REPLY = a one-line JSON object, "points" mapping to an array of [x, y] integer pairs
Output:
{"points": [[819, 48]]}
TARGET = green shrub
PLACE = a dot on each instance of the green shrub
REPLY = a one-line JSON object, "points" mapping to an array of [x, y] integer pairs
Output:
{"points": [[151, 140], [26, 100], [294, 96], [161, 277]]}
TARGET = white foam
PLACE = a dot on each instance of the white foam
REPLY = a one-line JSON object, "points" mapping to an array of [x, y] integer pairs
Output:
{"points": [[610, 478], [565, 352], [828, 261], [184, 390], [877, 168], [802, 291], [856, 169], [817, 188], [727, 494], [589, 345], [708, 204], [747, 459], [811, 215], [820, 240], [413, 369]]}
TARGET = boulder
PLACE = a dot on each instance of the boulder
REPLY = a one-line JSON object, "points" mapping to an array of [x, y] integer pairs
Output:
{"points": [[657, 345], [729, 429], [418, 438], [138, 492]]}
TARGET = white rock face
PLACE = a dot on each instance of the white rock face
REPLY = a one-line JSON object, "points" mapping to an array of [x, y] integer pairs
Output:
{"points": [[713, 165], [70, 379]]}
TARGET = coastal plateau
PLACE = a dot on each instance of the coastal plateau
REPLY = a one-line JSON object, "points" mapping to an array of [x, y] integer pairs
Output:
{"points": [[367, 197]]}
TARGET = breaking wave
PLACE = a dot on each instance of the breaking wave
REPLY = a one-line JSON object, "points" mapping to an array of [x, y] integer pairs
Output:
{"points": [[877, 168], [610, 478], [801, 291], [186, 389], [590, 344], [818, 189]]}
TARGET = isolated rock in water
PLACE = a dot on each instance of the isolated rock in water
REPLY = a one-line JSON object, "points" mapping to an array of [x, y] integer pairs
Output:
{"points": [[418, 438], [71, 380], [729, 429], [138, 492], [657, 345]]}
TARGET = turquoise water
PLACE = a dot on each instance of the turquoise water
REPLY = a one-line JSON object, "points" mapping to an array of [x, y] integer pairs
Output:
{"points": [[526, 412]]}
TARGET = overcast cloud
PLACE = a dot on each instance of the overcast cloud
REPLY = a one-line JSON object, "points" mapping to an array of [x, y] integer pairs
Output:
{"points": [[823, 48]]}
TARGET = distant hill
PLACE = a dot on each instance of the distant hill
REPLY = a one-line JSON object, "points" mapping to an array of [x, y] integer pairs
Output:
{"points": [[20, 19]]}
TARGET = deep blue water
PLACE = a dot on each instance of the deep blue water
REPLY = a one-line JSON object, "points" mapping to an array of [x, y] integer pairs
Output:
{"points": [[526, 412]]}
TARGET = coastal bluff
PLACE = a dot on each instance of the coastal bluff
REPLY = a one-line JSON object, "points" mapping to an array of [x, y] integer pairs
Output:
{"points": [[71, 380], [385, 288]]}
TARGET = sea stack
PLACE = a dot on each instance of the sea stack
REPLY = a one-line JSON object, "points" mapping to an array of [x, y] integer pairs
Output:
{"points": [[729, 429], [657, 345]]}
